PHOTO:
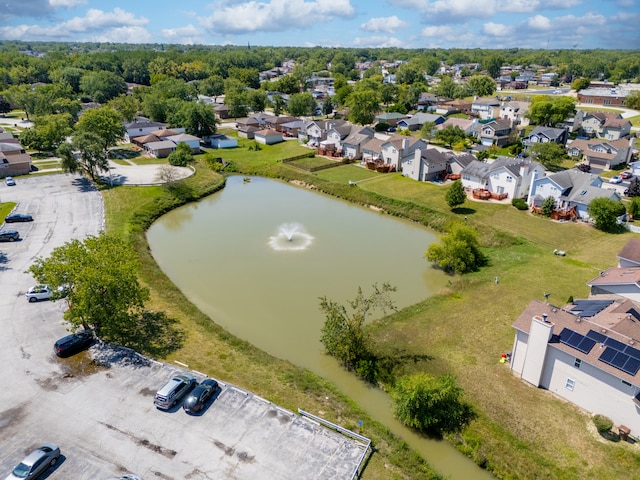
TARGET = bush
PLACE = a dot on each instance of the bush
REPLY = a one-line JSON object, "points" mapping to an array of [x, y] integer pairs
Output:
{"points": [[602, 423], [520, 203]]}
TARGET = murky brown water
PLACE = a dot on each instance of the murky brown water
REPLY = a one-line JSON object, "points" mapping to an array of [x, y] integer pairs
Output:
{"points": [[257, 256]]}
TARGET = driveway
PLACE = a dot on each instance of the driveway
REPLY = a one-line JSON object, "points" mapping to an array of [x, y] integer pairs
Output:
{"points": [[98, 405], [143, 174]]}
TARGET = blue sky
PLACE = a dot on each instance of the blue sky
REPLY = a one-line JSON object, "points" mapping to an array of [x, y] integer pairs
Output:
{"points": [[609, 24]]}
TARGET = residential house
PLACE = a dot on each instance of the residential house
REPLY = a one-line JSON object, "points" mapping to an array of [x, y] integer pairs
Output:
{"points": [[247, 127], [142, 140], [416, 121], [571, 189], [602, 153], [508, 175], [497, 132], [515, 111], [468, 125], [274, 122], [573, 123], [222, 111], [458, 162], [268, 136], [351, 145], [167, 132], [291, 129], [426, 101], [614, 97], [629, 256], [448, 106], [545, 135], [425, 165], [191, 140], [316, 131], [607, 125], [399, 147], [160, 149], [219, 140], [141, 126], [622, 281], [390, 118], [372, 150], [14, 160], [485, 108], [586, 353], [338, 132]]}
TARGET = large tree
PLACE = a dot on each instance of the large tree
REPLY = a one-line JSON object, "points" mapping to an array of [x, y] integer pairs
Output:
{"points": [[301, 104], [85, 154], [482, 85], [458, 252], [548, 154], [431, 404], [633, 100], [343, 334], [363, 105], [549, 111], [102, 86], [450, 135], [104, 122], [48, 132], [126, 105], [605, 213], [197, 118], [99, 277], [455, 195]]}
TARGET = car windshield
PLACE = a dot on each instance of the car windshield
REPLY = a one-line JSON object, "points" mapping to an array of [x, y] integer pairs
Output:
{"points": [[21, 471]]}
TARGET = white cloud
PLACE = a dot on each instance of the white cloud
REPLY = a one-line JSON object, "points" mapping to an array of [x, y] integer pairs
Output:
{"points": [[439, 31], [127, 34], [539, 22], [497, 29], [67, 3], [275, 15], [518, 6], [388, 24], [97, 19], [188, 35], [447, 36]]}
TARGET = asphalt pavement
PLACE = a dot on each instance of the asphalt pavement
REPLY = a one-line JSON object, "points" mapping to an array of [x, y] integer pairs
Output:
{"points": [[97, 406]]}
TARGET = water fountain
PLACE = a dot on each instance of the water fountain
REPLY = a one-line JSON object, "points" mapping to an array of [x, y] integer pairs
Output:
{"points": [[290, 236]]}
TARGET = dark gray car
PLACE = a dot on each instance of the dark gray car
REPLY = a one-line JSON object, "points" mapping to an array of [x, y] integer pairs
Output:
{"points": [[9, 236], [36, 463]]}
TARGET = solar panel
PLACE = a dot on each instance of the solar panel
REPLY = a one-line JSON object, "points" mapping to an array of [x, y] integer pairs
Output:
{"points": [[632, 366], [589, 308], [597, 336], [632, 352], [586, 345], [565, 334], [610, 342], [574, 340], [635, 313], [608, 355], [619, 360]]}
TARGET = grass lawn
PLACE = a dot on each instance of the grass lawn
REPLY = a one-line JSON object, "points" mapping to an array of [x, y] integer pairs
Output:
{"points": [[5, 209], [521, 432], [635, 121]]}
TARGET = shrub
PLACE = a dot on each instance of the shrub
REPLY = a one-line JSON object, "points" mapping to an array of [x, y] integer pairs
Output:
{"points": [[602, 423], [520, 203]]}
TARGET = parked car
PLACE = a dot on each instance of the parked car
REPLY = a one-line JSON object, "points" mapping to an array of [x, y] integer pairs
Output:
{"points": [[18, 217], [200, 395], [9, 236], [626, 175], [39, 292], [584, 167], [74, 343], [615, 179], [172, 391], [126, 476], [36, 463], [10, 181]]}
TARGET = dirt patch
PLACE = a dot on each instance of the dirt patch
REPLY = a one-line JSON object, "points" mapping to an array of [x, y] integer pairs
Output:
{"points": [[300, 183]]}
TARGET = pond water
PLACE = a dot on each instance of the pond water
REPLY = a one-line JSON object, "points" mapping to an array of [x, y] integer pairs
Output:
{"points": [[257, 256]]}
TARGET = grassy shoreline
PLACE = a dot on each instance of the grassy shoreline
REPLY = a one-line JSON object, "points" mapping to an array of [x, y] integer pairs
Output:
{"points": [[521, 432]]}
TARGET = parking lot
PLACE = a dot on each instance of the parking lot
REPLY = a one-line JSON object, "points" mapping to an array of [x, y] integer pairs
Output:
{"points": [[101, 413]]}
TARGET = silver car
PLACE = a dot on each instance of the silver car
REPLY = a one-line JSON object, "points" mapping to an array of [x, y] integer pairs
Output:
{"points": [[128, 476], [36, 463]]}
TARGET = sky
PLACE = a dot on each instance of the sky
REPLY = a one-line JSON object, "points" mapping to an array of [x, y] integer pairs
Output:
{"points": [[553, 24]]}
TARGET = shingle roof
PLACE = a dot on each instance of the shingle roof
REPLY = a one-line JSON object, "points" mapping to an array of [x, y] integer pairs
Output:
{"points": [[631, 250]]}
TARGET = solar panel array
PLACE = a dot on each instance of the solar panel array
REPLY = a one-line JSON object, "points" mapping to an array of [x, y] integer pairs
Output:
{"points": [[589, 308], [617, 354]]}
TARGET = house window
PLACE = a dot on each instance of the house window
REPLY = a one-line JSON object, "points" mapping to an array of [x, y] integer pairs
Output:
{"points": [[607, 102], [466, 177], [624, 382], [509, 178], [577, 363], [570, 384]]}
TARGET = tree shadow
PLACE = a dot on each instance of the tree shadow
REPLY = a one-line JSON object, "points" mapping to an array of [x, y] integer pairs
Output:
{"points": [[154, 334], [84, 184], [463, 210]]}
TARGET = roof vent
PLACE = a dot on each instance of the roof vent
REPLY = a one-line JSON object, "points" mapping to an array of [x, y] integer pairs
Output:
{"points": [[578, 319], [544, 318], [604, 330]]}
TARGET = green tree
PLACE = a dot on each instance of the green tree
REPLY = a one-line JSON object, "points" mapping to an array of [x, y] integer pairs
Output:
{"points": [[102, 86], [47, 133], [458, 252], [278, 104], [22, 97], [99, 276], [633, 100], [85, 154], [450, 135], [482, 85], [5, 106], [182, 155], [492, 64], [605, 213], [343, 335], [126, 105], [455, 195], [388, 93], [447, 88], [104, 122], [212, 86], [301, 104], [634, 207], [257, 100], [363, 105], [549, 111], [548, 154], [431, 404], [197, 118], [580, 83], [428, 130], [634, 187], [548, 206]]}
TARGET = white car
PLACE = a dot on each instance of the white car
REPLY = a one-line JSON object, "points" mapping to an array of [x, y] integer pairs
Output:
{"points": [[615, 179], [39, 292]]}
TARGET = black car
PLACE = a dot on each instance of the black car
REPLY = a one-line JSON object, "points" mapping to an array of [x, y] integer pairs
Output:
{"points": [[74, 343], [18, 217], [9, 236], [199, 396]]}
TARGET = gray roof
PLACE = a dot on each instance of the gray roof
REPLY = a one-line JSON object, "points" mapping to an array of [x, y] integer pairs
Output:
{"points": [[160, 145], [581, 187], [358, 135], [183, 137], [432, 156], [480, 169], [549, 132]]}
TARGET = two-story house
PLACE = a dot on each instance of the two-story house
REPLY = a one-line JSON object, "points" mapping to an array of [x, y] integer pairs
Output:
{"points": [[485, 108], [605, 154], [351, 145], [499, 132], [515, 111], [545, 135], [425, 165], [316, 131], [607, 125], [416, 121], [504, 175], [399, 147]]}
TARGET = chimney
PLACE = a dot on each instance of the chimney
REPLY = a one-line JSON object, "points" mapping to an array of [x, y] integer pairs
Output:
{"points": [[405, 143]]}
